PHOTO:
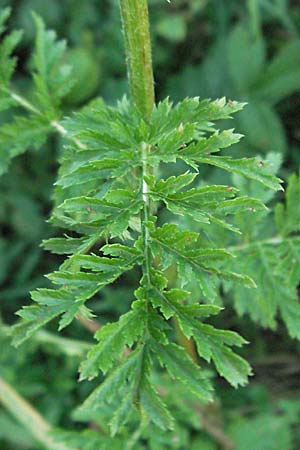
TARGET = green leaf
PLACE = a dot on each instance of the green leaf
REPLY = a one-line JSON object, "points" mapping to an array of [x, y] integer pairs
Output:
{"points": [[17, 136], [182, 368], [7, 62], [171, 303], [212, 144], [109, 130], [51, 77], [252, 168], [62, 246], [166, 117], [211, 342], [274, 265], [231, 366], [281, 77], [120, 384], [171, 184], [101, 216], [240, 205], [4, 15], [51, 303], [124, 259], [184, 249], [263, 127], [245, 58], [154, 407], [288, 216], [112, 340], [205, 204], [36, 317], [167, 145], [86, 172], [81, 279]]}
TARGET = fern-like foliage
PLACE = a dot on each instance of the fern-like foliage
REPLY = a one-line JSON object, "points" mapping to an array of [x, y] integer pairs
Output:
{"points": [[269, 252], [108, 196], [51, 81], [184, 236]]}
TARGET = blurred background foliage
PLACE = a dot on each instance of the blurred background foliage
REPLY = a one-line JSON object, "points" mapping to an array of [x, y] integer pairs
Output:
{"points": [[247, 50]]}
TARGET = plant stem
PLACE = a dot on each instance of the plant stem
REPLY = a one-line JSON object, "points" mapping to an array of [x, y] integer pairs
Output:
{"points": [[135, 21], [145, 215], [28, 417], [24, 103], [187, 344], [276, 240]]}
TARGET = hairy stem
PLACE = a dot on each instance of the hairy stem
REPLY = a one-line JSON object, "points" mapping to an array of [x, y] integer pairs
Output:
{"points": [[135, 21]]}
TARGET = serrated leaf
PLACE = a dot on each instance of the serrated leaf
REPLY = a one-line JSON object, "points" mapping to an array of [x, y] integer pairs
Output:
{"points": [[125, 258], [182, 368], [99, 216], [7, 62], [86, 172], [212, 343], [274, 264], [64, 246], [212, 144], [166, 117], [24, 329], [17, 136], [121, 383], [51, 303], [182, 248], [171, 303], [205, 204], [288, 216], [240, 205], [154, 407], [52, 78], [252, 168], [231, 366], [172, 184], [112, 339]]}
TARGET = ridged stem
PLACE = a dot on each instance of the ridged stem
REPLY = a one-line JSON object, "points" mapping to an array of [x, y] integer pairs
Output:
{"points": [[135, 22]]}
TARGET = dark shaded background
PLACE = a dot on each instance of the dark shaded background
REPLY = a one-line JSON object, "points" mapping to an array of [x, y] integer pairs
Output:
{"points": [[245, 50]]}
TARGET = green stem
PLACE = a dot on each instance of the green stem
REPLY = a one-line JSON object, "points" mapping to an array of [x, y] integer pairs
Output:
{"points": [[28, 417], [277, 240], [135, 21], [66, 346], [255, 20], [24, 103], [137, 434], [146, 213], [187, 344]]}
